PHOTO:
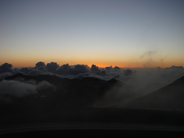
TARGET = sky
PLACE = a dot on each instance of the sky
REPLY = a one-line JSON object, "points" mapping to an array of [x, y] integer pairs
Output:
{"points": [[124, 33]]}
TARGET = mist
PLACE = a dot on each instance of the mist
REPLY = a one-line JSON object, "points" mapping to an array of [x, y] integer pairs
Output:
{"points": [[142, 82], [131, 83], [10, 89]]}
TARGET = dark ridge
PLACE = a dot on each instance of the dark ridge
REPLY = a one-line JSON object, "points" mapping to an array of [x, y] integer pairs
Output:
{"points": [[168, 97], [38, 78], [93, 81], [180, 80], [55, 79], [68, 93], [114, 81]]}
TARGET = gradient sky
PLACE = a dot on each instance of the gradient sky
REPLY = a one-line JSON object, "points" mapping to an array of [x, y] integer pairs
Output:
{"points": [[126, 33]]}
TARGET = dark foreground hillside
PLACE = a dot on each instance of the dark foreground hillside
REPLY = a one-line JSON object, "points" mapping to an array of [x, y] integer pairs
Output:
{"points": [[64, 92], [168, 97], [67, 106]]}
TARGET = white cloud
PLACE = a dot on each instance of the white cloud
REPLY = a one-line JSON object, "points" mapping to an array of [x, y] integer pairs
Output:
{"points": [[9, 88], [16, 88]]}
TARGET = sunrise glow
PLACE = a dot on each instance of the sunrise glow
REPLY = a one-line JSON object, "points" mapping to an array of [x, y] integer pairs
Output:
{"points": [[127, 34]]}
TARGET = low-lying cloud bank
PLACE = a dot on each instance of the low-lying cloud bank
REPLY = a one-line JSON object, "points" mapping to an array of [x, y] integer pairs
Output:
{"points": [[18, 89], [142, 82], [67, 71], [144, 75], [138, 81]]}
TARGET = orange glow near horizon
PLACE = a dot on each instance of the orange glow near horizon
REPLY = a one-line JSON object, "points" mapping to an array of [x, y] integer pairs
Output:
{"points": [[90, 33], [100, 65]]}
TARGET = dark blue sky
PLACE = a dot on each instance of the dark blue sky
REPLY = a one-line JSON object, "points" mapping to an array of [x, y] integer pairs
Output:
{"points": [[127, 33]]}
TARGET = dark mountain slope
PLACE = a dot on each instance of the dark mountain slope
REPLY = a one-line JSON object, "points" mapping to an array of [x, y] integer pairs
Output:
{"points": [[53, 79], [168, 97], [68, 92]]}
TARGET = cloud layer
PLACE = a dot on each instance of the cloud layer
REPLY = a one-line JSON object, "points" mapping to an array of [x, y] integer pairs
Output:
{"points": [[65, 70], [18, 89], [138, 81]]}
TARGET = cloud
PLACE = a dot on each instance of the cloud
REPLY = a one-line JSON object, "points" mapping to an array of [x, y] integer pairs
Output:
{"points": [[148, 80], [142, 81], [6, 67], [73, 70], [52, 66], [40, 64], [31, 71], [80, 69], [149, 58], [15, 88], [26, 70], [108, 68], [4, 75], [148, 54], [64, 69], [45, 86], [140, 77], [117, 68], [95, 69], [128, 72], [138, 81]]}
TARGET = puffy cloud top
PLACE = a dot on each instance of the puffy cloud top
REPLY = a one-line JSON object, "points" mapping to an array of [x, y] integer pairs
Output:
{"points": [[128, 72], [116, 67], [64, 70], [95, 68], [40, 64], [15, 88], [79, 69], [51, 67], [6, 67]]}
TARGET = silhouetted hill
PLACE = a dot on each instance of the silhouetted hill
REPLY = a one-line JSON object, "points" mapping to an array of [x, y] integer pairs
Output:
{"points": [[168, 97], [68, 92], [49, 78], [55, 79], [180, 80], [71, 102]]}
